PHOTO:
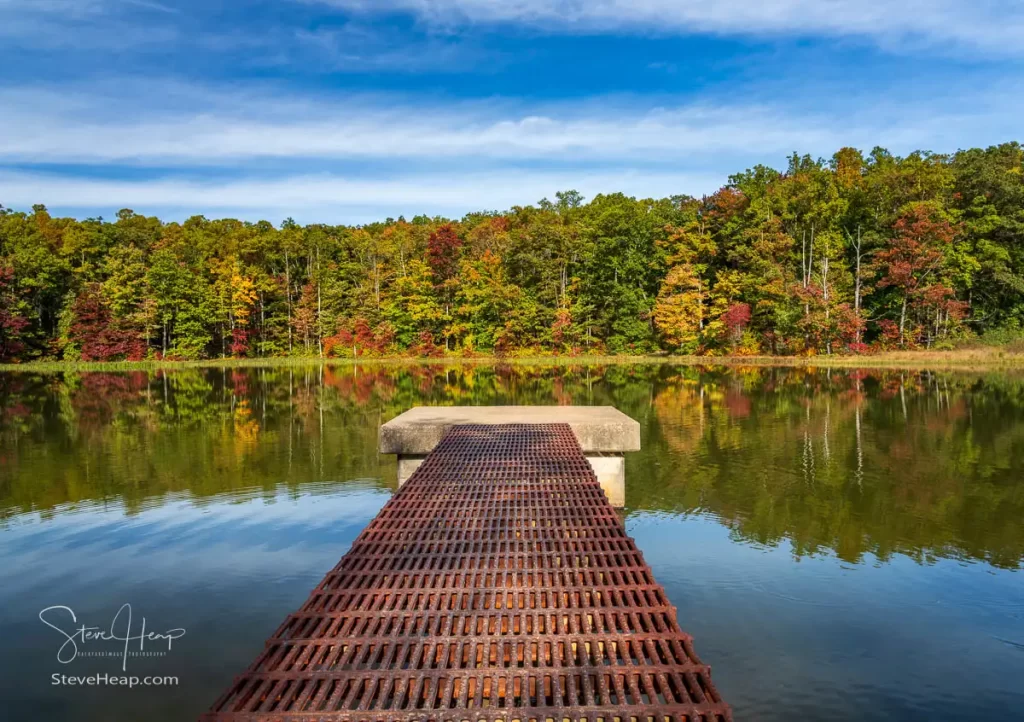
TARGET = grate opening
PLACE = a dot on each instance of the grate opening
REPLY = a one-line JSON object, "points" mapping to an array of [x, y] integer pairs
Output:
{"points": [[496, 585]]}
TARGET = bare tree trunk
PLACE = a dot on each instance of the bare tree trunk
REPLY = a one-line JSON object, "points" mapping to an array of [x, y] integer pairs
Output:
{"points": [[803, 268], [700, 303], [263, 322], [810, 258], [824, 290], [376, 276], [803, 258], [857, 283], [903, 320], [319, 309], [857, 275], [288, 298]]}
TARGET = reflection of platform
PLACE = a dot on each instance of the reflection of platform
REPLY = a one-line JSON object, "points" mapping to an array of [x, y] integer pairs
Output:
{"points": [[604, 433]]}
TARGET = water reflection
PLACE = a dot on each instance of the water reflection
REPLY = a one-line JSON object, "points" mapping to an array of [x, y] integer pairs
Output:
{"points": [[226, 570], [853, 462], [854, 536]]}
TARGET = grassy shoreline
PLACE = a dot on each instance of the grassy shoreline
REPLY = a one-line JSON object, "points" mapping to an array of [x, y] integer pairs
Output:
{"points": [[983, 358]]}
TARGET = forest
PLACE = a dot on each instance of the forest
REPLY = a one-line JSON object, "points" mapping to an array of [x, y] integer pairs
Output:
{"points": [[854, 254]]}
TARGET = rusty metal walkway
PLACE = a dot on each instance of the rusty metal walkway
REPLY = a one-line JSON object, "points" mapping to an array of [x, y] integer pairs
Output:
{"points": [[497, 584]]}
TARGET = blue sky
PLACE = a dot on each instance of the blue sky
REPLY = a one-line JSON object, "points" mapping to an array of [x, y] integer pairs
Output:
{"points": [[355, 110]]}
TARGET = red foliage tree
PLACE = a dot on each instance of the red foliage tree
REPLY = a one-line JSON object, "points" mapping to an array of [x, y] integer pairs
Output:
{"points": [[826, 326], [305, 319], [910, 263], [889, 334], [736, 318], [845, 327], [239, 341], [12, 323], [725, 205], [358, 338], [561, 327], [425, 346], [100, 337], [443, 249]]}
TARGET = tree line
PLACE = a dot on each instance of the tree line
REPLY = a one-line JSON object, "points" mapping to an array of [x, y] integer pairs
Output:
{"points": [[852, 254]]}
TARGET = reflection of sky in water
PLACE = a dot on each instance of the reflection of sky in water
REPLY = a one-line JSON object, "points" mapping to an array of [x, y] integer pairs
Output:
{"points": [[825, 536], [863, 639], [226, 570], [833, 640]]}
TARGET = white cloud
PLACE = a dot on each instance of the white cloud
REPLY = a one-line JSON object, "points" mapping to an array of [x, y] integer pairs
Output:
{"points": [[374, 132], [178, 126], [80, 8], [333, 198], [67, 8], [363, 48], [83, 24], [152, 5], [177, 149], [993, 25]]}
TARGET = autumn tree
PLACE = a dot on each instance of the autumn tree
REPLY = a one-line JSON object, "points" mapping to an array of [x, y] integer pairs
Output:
{"points": [[443, 251], [682, 306], [491, 313], [910, 265], [12, 320], [862, 250], [243, 297], [98, 334]]}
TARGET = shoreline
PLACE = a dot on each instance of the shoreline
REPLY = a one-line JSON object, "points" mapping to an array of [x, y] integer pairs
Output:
{"points": [[980, 359]]}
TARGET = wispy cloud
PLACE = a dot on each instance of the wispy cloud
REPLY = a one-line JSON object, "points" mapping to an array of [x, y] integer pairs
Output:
{"points": [[80, 8], [260, 153], [992, 25], [181, 126], [83, 24], [361, 48], [335, 198], [67, 8], [149, 26], [152, 5]]}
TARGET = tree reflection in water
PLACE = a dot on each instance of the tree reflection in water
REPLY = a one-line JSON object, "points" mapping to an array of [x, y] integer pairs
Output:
{"points": [[849, 461]]}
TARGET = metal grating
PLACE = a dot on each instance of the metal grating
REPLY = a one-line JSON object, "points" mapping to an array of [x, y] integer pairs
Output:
{"points": [[497, 584]]}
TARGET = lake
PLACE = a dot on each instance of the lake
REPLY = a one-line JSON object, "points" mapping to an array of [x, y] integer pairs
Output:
{"points": [[842, 544]]}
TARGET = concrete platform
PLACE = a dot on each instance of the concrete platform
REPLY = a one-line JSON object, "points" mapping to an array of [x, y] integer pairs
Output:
{"points": [[597, 428], [603, 432]]}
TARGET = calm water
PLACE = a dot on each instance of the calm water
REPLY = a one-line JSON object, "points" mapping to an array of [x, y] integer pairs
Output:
{"points": [[845, 545]]}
